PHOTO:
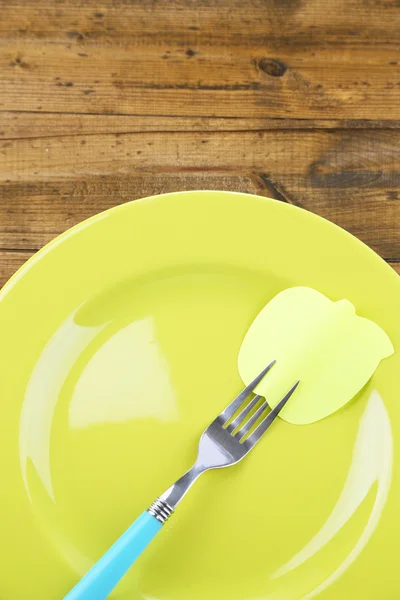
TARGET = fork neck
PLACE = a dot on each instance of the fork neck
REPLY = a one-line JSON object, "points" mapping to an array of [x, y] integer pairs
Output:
{"points": [[174, 494]]}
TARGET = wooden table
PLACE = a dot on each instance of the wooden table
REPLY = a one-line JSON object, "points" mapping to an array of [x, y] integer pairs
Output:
{"points": [[101, 103]]}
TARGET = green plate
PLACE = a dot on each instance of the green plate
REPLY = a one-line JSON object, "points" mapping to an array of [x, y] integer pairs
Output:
{"points": [[119, 343]]}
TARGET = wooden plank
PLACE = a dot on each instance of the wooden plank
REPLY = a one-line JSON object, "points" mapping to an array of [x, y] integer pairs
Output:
{"points": [[187, 22], [364, 202], [19, 125], [127, 80], [11, 261], [348, 177], [339, 60], [352, 158]]}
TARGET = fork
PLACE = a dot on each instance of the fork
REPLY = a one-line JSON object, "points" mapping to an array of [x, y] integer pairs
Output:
{"points": [[227, 440]]}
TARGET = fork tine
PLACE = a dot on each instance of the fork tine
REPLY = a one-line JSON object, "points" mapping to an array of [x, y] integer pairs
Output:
{"points": [[249, 424], [263, 426], [243, 413], [234, 405]]}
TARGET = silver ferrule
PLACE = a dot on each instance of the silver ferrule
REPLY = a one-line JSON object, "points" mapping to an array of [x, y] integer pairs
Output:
{"points": [[161, 510]]}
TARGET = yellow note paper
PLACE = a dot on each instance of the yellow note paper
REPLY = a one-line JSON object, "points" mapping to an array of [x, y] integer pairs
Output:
{"points": [[324, 344]]}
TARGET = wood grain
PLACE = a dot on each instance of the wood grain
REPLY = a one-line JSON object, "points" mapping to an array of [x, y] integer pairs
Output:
{"points": [[346, 157], [103, 104], [10, 262], [23, 125], [134, 79], [330, 59], [228, 23]]}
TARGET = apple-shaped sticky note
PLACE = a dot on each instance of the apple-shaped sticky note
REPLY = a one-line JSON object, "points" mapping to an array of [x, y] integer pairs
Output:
{"points": [[324, 344]]}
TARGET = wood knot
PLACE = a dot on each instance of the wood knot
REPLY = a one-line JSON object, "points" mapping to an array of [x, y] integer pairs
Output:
{"points": [[272, 67]]}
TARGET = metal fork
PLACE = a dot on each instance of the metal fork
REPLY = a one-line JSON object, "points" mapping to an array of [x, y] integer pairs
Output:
{"points": [[224, 443]]}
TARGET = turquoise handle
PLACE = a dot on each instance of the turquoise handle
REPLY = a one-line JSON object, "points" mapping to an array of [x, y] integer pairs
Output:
{"points": [[102, 578]]}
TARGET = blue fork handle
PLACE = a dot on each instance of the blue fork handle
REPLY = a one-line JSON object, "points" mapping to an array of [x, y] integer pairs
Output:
{"points": [[102, 578]]}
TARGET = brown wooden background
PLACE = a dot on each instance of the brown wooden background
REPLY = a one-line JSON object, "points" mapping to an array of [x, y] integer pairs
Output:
{"points": [[101, 103]]}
